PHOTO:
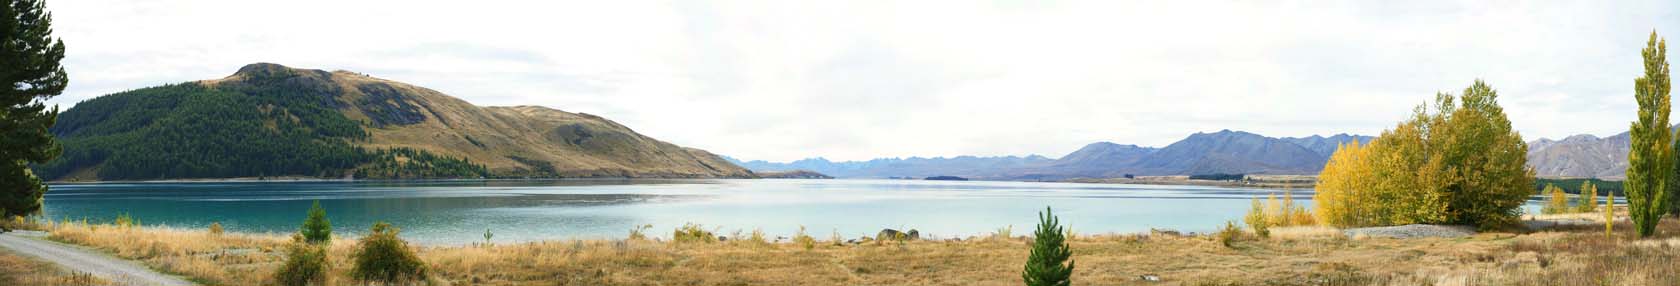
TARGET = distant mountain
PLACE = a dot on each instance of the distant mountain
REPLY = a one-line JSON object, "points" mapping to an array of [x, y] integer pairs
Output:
{"points": [[1099, 159], [1226, 151], [1580, 156], [273, 120], [971, 166], [1327, 145], [1230, 152]]}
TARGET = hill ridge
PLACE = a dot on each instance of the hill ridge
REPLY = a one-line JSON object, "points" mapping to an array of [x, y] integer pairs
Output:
{"points": [[382, 114]]}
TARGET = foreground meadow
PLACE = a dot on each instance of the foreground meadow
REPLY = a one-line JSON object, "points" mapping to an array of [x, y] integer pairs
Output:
{"points": [[1580, 255], [16, 269]]}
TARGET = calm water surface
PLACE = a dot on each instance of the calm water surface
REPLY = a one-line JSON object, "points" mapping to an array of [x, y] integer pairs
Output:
{"points": [[458, 212]]}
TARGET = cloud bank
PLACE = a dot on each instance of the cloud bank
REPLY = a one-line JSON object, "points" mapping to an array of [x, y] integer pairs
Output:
{"points": [[850, 80]]}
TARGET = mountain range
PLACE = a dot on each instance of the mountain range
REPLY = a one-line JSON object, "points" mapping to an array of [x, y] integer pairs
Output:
{"points": [[1223, 152], [1228, 152], [272, 120], [269, 120], [1582, 156]]}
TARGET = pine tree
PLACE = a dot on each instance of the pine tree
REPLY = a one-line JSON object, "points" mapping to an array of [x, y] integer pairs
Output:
{"points": [[30, 72], [1049, 251], [316, 228], [1650, 158]]}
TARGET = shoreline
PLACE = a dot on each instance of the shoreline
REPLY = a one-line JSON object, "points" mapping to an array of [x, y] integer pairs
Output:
{"points": [[320, 180], [1281, 182], [1291, 255]]}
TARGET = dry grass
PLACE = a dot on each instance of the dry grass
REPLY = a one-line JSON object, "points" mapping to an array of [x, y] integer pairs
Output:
{"points": [[1306, 232], [226, 259], [1293, 256], [19, 270]]}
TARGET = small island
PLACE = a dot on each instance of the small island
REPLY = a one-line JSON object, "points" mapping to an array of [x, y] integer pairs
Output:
{"points": [[945, 178], [793, 174]]}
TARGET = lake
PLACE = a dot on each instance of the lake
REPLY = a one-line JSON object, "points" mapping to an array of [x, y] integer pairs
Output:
{"points": [[459, 212]]}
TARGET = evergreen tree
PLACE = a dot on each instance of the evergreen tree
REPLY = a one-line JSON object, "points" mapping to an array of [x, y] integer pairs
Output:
{"points": [[1650, 158], [1049, 251], [316, 228], [30, 73]]}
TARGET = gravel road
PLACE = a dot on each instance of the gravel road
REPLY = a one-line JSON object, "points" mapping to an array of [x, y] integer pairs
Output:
{"points": [[80, 259]]}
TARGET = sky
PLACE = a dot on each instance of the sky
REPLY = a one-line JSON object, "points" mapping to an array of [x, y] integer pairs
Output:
{"points": [[855, 80]]}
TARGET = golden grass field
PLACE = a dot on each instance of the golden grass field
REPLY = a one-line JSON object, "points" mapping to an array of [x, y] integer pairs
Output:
{"points": [[1291, 256]]}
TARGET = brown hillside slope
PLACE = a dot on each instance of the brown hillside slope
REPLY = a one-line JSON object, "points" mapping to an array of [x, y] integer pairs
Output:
{"points": [[510, 141]]}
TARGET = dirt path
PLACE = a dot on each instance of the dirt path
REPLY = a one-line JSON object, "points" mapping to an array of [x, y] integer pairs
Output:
{"points": [[34, 244]]}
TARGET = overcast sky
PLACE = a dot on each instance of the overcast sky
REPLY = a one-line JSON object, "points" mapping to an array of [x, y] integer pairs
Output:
{"points": [[851, 80]]}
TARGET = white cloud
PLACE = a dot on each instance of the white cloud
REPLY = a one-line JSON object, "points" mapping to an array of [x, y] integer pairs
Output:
{"points": [[784, 80]]}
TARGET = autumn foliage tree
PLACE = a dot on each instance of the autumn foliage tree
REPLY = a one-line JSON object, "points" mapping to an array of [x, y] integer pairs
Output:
{"points": [[1461, 164], [1650, 154], [1556, 201], [1588, 198]]}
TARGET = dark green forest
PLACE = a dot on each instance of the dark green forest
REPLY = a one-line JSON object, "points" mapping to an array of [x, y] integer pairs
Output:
{"points": [[270, 126], [1573, 186]]}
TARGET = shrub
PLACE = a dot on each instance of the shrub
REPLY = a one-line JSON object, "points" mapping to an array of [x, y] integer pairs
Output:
{"points": [[757, 238], [1257, 218], [125, 221], [1049, 252], [216, 228], [1289, 213], [804, 240], [690, 232], [639, 232], [306, 264], [316, 228], [1229, 234], [384, 257], [834, 237], [1300, 216], [1462, 164], [1003, 233]]}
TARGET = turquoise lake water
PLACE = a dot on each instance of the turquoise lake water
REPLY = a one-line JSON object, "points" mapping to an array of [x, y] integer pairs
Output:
{"points": [[458, 212]]}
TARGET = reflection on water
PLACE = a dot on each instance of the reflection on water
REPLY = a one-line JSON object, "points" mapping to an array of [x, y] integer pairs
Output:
{"points": [[458, 212]]}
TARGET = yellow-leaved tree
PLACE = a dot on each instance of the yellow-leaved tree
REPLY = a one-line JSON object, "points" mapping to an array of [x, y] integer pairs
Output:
{"points": [[1650, 157], [1556, 202], [1588, 198], [1461, 164]]}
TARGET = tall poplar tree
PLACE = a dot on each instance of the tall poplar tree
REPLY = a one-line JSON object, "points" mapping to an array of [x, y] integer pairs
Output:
{"points": [[1651, 156], [30, 73]]}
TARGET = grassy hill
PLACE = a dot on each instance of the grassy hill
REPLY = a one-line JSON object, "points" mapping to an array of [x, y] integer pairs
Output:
{"points": [[272, 120]]}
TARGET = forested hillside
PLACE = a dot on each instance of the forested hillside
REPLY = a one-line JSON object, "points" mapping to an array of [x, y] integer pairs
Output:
{"points": [[189, 130], [269, 120]]}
